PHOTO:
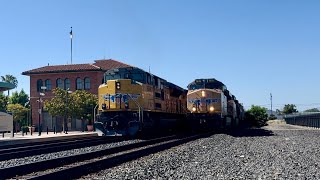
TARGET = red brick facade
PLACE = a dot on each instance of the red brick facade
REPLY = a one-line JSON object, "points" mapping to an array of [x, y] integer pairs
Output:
{"points": [[71, 72]]}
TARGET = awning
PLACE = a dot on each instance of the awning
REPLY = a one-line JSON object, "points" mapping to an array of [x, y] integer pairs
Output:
{"points": [[4, 86]]}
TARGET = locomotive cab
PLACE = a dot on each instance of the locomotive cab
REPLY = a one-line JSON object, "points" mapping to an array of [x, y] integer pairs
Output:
{"points": [[133, 101], [206, 103]]}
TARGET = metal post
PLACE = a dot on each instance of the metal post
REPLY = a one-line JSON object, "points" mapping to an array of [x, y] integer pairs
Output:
{"points": [[66, 123], [30, 120], [54, 129], [66, 113], [40, 110], [47, 130], [12, 132], [39, 115]]}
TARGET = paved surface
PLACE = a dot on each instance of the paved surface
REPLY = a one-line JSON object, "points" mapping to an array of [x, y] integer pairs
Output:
{"points": [[19, 138]]}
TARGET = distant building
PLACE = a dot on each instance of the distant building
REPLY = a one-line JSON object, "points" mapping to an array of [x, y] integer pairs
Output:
{"points": [[73, 76]]}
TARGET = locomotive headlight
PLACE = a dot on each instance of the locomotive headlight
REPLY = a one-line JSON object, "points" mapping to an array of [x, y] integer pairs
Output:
{"points": [[203, 93], [118, 85], [194, 109], [211, 109]]}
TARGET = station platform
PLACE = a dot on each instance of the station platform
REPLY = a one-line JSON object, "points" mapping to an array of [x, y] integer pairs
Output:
{"points": [[22, 139]]}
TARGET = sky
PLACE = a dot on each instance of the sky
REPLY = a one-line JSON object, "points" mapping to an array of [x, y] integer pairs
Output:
{"points": [[254, 47]]}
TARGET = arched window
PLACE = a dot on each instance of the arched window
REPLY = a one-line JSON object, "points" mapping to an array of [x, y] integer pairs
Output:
{"points": [[79, 84], [86, 83], [67, 84], [59, 83], [39, 84], [48, 85]]}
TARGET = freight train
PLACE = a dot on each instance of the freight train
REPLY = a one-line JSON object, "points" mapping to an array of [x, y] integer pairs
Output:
{"points": [[211, 106], [132, 100]]}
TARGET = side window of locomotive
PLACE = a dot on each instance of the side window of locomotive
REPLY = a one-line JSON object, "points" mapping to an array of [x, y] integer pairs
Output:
{"points": [[148, 79], [161, 84], [156, 82], [127, 76]]}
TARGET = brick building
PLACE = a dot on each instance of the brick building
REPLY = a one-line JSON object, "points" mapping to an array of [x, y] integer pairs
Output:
{"points": [[73, 76]]}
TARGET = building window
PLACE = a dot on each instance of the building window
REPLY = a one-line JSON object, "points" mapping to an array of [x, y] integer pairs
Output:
{"points": [[48, 85], [67, 84], [59, 83], [86, 83], [79, 84], [39, 84]]}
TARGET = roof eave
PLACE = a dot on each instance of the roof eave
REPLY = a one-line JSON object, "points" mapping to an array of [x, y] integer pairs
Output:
{"points": [[64, 71]]}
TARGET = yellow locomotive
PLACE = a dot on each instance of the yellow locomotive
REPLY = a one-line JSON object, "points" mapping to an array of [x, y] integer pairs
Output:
{"points": [[211, 105], [133, 100]]}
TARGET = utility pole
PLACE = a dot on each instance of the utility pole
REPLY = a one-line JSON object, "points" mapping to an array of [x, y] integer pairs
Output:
{"points": [[271, 102]]}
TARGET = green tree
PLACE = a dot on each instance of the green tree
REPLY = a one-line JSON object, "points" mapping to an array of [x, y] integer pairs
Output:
{"points": [[19, 98], [257, 115], [10, 79], [57, 105], [18, 111], [312, 110], [80, 104], [289, 109], [3, 102], [83, 104]]}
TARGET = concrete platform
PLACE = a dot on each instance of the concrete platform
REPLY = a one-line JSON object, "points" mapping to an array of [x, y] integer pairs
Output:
{"points": [[20, 139]]}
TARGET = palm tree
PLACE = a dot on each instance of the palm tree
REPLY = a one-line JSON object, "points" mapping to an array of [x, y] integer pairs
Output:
{"points": [[10, 79]]}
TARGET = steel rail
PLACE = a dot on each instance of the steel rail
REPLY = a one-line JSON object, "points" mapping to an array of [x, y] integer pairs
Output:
{"points": [[78, 171], [25, 151], [35, 142]]}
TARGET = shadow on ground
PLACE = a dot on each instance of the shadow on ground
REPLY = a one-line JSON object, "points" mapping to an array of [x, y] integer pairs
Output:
{"points": [[249, 132]]}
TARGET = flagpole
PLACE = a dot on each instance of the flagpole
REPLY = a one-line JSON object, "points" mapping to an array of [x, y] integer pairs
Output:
{"points": [[71, 43]]}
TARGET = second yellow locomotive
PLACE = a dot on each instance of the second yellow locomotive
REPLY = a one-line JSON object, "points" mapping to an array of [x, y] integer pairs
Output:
{"points": [[211, 105]]}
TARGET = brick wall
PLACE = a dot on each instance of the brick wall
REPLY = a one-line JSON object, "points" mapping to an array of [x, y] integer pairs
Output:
{"points": [[96, 78]]}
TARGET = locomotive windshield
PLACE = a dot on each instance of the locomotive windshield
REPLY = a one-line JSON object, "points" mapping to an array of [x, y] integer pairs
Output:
{"points": [[126, 73], [206, 84]]}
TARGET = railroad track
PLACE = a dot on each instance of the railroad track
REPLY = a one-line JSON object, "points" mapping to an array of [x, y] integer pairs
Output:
{"points": [[32, 143], [16, 151], [75, 166]]}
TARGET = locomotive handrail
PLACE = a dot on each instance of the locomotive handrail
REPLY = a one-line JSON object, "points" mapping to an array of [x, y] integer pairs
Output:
{"points": [[140, 108]]}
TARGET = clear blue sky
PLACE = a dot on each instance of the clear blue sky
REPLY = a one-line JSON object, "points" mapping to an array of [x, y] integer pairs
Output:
{"points": [[254, 47]]}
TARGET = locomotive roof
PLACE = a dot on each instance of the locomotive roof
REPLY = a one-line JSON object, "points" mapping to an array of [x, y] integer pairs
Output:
{"points": [[212, 81], [135, 70]]}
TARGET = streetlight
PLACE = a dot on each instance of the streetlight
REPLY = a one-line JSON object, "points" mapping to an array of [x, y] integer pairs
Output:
{"points": [[26, 123], [39, 105], [66, 113]]}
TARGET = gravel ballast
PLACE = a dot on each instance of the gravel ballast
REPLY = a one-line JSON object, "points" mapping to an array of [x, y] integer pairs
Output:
{"points": [[274, 152], [43, 157]]}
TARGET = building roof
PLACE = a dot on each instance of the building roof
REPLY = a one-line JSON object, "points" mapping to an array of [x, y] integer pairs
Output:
{"points": [[4, 86], [99, 65], [110, 64]]}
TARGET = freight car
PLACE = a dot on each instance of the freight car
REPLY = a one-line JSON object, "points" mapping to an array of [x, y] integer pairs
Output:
{"points": [[132, 100], [211, 106]]}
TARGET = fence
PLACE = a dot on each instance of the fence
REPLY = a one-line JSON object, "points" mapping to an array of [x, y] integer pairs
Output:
{"points": [[304, 119]]}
